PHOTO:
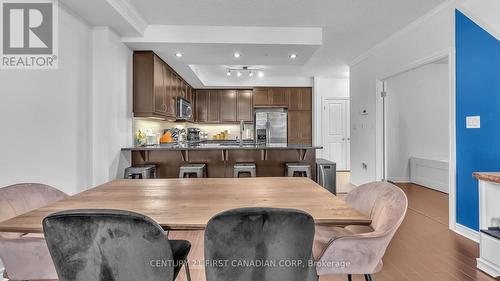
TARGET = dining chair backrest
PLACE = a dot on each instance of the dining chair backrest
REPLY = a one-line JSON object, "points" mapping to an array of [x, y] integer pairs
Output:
{"points": [[108, 245], [21, 198], [384, 202], [264, 244]]}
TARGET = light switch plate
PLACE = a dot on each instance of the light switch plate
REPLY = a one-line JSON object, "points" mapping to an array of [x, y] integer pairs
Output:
{"points": [[473, 122]]}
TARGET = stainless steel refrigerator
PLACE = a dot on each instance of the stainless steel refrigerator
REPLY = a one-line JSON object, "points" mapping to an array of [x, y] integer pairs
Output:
{"points": [[271, 126]]}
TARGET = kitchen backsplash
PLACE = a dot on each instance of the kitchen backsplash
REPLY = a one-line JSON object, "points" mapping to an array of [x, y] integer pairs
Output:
{"points": [[157, 127]]}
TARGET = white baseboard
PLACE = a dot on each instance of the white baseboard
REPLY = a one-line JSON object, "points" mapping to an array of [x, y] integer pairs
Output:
{"points": [[486, 266], [467, 232]]}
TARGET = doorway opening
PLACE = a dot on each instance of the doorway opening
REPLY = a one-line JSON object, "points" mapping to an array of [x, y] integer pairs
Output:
{"points": [[417, 130]]}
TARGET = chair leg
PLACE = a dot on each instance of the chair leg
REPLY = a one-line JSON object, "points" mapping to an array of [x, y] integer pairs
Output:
{"points": [[368, 277], [349, 277], [188, 275]]}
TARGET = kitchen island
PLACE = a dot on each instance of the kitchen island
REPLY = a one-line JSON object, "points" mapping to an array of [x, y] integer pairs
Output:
{"points": [[220, 157]]}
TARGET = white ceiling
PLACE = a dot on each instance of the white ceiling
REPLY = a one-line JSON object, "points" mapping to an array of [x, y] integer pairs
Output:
{"points": [[347, 28]]}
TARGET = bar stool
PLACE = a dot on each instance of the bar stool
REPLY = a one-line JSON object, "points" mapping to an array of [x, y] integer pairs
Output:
{"points": [[200, 170], [303, 169], [248, 168], [140, 172]]}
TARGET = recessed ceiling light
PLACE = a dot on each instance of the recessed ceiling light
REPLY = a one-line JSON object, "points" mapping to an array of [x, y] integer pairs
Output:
{"points": [[178, 54], [261, 74], [237, 55], [293, 56], [228, 73], [238, 74], [250, 73]]}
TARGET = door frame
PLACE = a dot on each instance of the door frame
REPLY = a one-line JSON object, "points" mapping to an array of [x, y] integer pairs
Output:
{"points": [[380, 157], [348, 125]]}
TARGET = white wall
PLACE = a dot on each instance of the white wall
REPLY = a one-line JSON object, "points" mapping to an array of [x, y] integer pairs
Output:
{"points": [[417, 106], [427, 37], [430, 36], [66, 127], [45, 116], [111, 105], [326, 88]]}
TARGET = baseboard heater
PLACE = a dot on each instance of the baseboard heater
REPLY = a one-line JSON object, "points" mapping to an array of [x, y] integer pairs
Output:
{"points": [[429, 172]]}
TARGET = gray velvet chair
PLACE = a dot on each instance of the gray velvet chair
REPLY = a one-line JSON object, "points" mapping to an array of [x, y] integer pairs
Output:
{"points": [[17, 250], [359, 249], [112, 245], [255, 244]]}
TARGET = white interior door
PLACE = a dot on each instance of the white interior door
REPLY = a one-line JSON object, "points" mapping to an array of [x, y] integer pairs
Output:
{"points": [[335, 128]]}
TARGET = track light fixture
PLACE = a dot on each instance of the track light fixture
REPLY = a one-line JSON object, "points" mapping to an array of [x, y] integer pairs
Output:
{"points": [[244, 69]]}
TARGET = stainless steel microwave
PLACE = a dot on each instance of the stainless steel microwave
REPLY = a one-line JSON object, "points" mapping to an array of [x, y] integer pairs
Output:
{"points": [[184, 110]]}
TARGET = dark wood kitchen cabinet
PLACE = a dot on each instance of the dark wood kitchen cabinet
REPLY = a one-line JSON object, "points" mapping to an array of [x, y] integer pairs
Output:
{"points": [[299, 127], [260, 97], [300, 99], [244, 108], [213, 104], [224, 106], [277, 96], [201, 106], [270, 97], [155, 87], [150, 93], [228, 105]]}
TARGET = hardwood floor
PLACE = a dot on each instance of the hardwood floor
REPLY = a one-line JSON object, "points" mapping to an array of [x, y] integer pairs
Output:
{"points": [[423, 249]]}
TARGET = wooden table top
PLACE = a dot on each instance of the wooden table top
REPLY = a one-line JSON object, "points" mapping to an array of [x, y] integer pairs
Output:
{"points": [[186, 204]]}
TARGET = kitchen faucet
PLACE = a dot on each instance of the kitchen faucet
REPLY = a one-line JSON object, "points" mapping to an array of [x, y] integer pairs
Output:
{"points": [[242, 128]]}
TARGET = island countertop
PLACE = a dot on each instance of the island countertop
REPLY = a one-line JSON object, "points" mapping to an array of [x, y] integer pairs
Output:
{"points": [[220, 146], [488, 176]]}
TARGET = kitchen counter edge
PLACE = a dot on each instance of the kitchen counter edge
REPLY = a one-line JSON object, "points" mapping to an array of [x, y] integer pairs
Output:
{"points": [[220, 147]]}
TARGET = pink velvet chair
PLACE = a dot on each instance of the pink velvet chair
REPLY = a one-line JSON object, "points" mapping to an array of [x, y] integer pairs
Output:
{"points": [[25, 256], [359, 249]]}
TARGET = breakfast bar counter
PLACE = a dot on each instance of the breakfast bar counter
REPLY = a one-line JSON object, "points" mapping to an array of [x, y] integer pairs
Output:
{"points": [[270, 161]]}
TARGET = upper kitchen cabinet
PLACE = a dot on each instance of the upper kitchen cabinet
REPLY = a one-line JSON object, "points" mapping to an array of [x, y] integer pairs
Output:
{"points": [[150, 91], [228, 105], [155, 87], [201, 106], [278, 96], [244, 108], [270, 97], [291, 97], [213, 104], [224, 106], [300, 99]]}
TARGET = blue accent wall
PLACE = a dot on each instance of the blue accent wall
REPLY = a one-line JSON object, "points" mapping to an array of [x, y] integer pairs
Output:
{"points": [[477, 93]]}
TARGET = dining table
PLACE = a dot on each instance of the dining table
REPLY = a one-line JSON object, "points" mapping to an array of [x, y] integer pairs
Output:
{"points": [[188, 204]]}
